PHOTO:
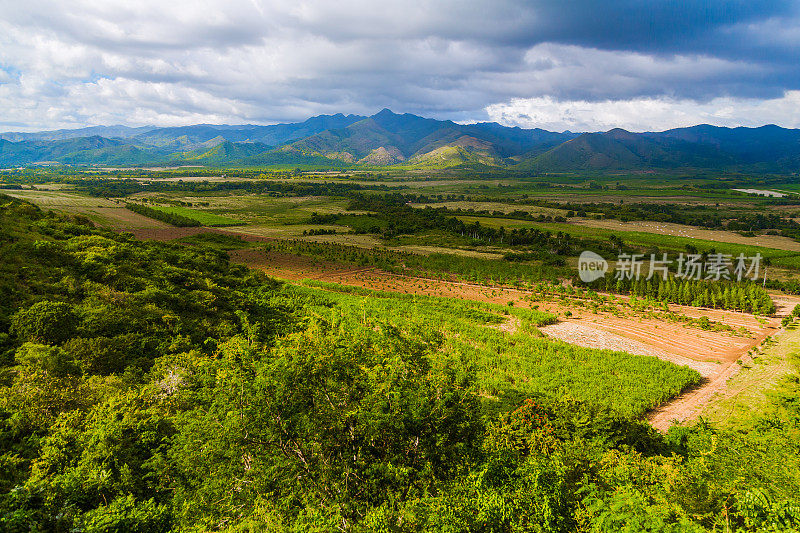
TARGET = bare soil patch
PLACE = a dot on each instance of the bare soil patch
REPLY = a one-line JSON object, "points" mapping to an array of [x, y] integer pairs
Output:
{"points": [[575, 332]]}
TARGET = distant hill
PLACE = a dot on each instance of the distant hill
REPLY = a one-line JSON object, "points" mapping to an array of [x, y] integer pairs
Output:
{"points": [[80, 150], [387, 138], [192, 136], [622, 150], [110, 132]]}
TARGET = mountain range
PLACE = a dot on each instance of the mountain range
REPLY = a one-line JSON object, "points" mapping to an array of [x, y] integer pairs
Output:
{"points": [[386, 139]]}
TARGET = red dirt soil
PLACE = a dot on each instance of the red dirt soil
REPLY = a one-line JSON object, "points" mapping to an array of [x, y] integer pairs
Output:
{"points": [[672, 337]]}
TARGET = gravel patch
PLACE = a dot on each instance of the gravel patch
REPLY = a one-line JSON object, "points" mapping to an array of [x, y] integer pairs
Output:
{"points": [[588, 337]]}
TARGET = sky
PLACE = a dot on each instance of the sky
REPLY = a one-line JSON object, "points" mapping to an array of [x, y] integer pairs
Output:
{"points": [[578, 65]]}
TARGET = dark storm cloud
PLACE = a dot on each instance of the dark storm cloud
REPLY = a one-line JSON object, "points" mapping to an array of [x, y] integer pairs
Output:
{"points": [[262, 61], [662, 26]]}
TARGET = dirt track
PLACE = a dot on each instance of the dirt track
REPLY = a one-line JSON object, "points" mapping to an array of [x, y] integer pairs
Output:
{"points": [[689, 404]]}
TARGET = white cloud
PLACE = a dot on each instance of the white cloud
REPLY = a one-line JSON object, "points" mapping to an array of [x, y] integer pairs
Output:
{"points": [[646, 114], [66, 64]]}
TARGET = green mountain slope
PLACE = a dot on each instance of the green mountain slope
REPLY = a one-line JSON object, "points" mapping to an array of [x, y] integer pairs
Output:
{"points": [[621, 150], [351, 143]]}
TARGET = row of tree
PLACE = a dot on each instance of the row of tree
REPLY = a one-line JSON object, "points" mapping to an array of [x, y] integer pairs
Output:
{"points": [[743, 296], [164, 216], [125, 187]]}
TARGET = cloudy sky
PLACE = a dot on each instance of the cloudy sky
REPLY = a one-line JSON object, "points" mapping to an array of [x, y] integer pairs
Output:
{"points": [[579, 65]]}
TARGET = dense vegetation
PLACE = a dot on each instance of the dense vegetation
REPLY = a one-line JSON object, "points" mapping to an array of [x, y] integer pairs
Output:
{"points": [[153, 387], [259, 185]]}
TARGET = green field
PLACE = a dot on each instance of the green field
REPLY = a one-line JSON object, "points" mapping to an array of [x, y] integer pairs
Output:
{"points": [[203, 217]]}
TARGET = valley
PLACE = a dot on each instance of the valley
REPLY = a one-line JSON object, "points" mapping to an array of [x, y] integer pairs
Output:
{"points": [[711, 341], [399, 267], [461, 290]]}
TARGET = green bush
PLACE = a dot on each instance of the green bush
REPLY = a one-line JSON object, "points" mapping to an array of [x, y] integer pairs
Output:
{"points": [[45, 322]]}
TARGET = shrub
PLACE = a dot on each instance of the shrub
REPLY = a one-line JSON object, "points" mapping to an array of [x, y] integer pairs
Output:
{"points": [[45, 322]]}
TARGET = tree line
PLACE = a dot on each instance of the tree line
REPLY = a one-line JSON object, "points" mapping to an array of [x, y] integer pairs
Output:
{"points": [[744, 296], [125, 187], [164, 216]]}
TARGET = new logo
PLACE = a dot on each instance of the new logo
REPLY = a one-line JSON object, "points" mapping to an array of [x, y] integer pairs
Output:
{"points": [[591, 266]]}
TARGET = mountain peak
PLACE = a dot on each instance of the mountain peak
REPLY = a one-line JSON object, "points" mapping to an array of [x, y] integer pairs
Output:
{"points": [[385, 112], [619, 134]]}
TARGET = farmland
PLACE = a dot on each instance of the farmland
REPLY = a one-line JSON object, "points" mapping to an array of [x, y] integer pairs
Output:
{"points": [[519, 363], [678, 336], [462, 317]]}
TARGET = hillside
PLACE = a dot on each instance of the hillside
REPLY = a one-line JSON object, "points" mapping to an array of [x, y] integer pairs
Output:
{"points": [[622, 150]]}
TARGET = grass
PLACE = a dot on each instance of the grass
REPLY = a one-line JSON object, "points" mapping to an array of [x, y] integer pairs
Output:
{"points": [[748, 395], [203, 217]]}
